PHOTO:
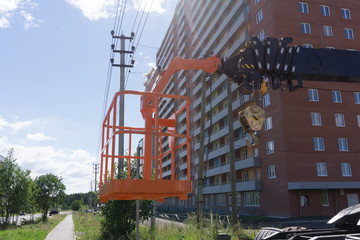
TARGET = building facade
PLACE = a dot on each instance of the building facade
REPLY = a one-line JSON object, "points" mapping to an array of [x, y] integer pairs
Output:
{"points": [[309, 150]]}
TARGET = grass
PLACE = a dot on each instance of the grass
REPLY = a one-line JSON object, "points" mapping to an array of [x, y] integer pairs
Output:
{"points": [[191, 231], [37, 230], [87, 225]]}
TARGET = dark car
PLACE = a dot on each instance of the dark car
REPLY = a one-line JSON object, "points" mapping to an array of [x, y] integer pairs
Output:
{"points": [[346, 222], [53, 211]]}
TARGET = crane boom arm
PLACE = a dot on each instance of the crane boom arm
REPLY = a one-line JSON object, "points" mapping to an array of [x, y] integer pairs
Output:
{"points": [[280, 62], [210, 65]]}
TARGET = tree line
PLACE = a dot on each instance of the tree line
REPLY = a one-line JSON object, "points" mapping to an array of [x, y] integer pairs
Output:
{"points": [[20, 193]]}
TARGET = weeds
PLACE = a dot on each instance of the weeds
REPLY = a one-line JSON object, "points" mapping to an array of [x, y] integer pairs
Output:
{"points": [[87, 225]]}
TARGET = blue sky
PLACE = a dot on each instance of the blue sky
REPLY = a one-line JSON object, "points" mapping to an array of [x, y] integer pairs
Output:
{"points": [[54, 58]]}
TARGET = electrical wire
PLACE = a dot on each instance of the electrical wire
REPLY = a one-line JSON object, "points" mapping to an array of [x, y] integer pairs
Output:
{"points": [[142, 30], [116, 28]]}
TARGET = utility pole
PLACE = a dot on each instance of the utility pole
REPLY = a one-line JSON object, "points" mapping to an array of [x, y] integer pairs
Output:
{"points": [[122, 66], [90, 196], [138, 153], [200, 179], [232, 155], [96, 171]]}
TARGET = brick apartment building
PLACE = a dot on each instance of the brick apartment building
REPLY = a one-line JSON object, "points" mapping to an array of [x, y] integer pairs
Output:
{"points": [[309, 150]]}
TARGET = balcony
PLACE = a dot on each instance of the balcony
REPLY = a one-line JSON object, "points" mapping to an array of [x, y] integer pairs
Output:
{"points": [[183, 166], [166, 163], [167, 173], [214, 20], [215, 153], [253, 185], [239, 164]]}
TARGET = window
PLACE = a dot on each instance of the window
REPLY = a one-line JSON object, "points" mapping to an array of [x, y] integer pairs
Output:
{"points": [[303, 7], [270, 147], [238, 199], [357, 97], [343, 144], [217, 180], [306, 45], [316, 119], [261, 35], [346, 169], [349, 33], [246, 176], [256, 2], [211, 201], [256, 152], [345, 13], [244, 154], [319, 144], [266, 100], [257, 174], [325, 10], [339, 120], [272, 171], [358, 118], [259, 16], [220, 199], [321, 169], [251, 199], [336, 96], [313, 95], [268, 123], [324, 197], [305, 28], [328, 32], [216, 162]]}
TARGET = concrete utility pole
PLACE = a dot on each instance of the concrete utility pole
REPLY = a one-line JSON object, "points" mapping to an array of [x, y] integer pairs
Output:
{"points": [[122, 66], [232, 155], [137, 201], [90, 197], [200, 197], [96, 171]]}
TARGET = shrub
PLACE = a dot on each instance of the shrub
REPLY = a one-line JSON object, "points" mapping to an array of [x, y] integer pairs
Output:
{"points": [[76, 205]]}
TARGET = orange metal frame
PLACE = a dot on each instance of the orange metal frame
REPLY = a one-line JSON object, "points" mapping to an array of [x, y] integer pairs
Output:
{"points": [[150, 187]]}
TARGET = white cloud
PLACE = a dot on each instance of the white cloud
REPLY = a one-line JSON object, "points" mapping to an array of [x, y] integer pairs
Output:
{"points": [[155, 5], [74, 166], [95, 9], [29, 20], [15, 125], [151, 64], [38, 137], [11, 8]]}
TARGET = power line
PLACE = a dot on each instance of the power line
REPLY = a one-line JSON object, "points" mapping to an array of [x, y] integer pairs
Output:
{"points": [[142, 45], [142, 30], [116, 27]]}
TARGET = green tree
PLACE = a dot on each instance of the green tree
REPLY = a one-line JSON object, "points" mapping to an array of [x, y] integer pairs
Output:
{"points": [[15, 188], [120, 216], [75, 205], [50, 192]]}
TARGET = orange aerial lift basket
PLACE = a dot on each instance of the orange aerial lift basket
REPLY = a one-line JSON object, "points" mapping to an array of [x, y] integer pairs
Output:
{"points": [[153, 184]]}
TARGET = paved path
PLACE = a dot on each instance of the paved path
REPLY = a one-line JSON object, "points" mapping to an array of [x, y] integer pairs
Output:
{"points": [[63, 231]]}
